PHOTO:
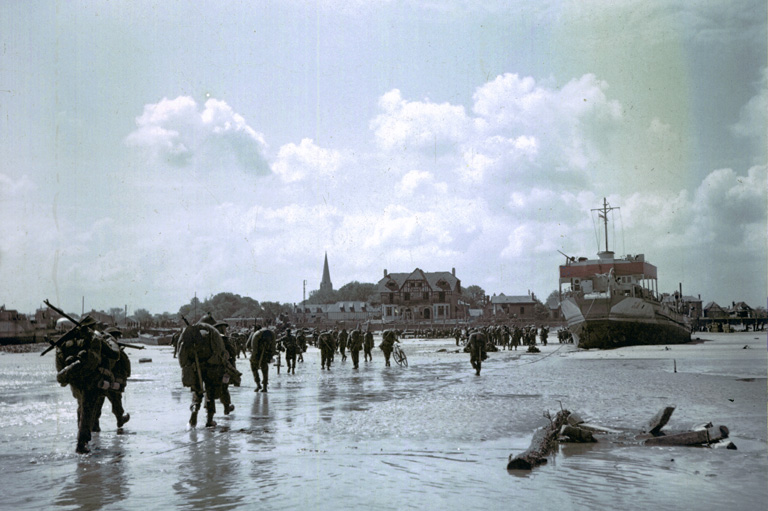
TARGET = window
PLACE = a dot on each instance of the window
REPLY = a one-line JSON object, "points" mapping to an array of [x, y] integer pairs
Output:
{"points": [[522, 310], [426, 295], [406, 297], [442, 296], [391, 297]]}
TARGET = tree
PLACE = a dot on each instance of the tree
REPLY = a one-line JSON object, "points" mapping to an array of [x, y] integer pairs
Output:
{"points": [[475, 295], [142, 316], [356, 292], [553, 300], [117, 313]]}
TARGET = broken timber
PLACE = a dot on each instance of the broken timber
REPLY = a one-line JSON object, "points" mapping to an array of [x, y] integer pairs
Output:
{"points": [[542, 444], [701, 437]]}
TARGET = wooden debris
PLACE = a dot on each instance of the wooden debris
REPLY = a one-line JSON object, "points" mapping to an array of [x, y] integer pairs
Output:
{"points": [[594, 428], [659, 420], [144, 360], [542, 444], [702, 437], [576, 434]]}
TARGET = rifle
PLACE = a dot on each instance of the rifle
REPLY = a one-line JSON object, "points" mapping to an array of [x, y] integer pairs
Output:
{"points": [[68, 335]]}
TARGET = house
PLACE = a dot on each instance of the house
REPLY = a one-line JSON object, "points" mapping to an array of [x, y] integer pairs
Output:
{"points": [[420, 295], [693, 306], [713, 310], [333, 312], [741, 310], [513, 307]]}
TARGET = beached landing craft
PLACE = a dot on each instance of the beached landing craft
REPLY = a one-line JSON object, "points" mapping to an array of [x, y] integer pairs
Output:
{"points": [[611, 302]]}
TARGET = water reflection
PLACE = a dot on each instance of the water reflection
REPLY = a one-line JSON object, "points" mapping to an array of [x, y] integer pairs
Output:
{"points": [[99, 479], [261, 449], [208, 472]]}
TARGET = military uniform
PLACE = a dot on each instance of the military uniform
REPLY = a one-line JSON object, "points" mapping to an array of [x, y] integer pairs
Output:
{"points": [[326, 344], [291, 350], [387, 344], [82, 362], [477, 350], [263, 348], [206, 368], [121, 371], [368, 346], [343, 336], [355, 345]]}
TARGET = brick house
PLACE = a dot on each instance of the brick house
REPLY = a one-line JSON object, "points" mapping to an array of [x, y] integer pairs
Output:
{"points": [[420, 295]]}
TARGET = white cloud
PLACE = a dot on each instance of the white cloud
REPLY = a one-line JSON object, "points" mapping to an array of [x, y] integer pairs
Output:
{"points": [[753, 120], [178, 132], [296, 162]]}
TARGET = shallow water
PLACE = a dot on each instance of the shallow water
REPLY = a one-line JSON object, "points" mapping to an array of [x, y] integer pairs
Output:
{"points": [[430, 436]]}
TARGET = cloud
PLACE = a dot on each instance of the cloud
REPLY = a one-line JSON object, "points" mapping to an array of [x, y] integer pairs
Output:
{"points": [[753, 120], [417, 124], [297, 162], [179, 133]]}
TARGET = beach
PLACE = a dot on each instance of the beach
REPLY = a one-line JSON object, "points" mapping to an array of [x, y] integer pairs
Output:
{"points": [[432, 435]]}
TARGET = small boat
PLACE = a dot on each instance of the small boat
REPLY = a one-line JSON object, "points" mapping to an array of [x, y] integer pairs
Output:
{"points": [[611, 302]]}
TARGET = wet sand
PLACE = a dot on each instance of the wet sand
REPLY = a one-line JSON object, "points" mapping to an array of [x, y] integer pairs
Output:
{"points": [[430, 436]]}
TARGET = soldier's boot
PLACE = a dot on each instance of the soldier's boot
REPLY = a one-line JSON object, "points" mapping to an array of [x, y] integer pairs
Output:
{"points": [[193, 417], [258, 387], [82, 444], [228, 408], [209, 422], [123, 419], [264, 388]]}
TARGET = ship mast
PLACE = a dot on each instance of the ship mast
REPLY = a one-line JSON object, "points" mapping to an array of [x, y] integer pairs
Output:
{"points": [[603, 214]]}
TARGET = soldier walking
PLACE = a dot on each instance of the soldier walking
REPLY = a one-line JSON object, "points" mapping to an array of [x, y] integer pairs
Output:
{"points": [[291, 350], [343, 336], [121, 371], [387, 344], [368, 346], [263, 348], [355, 345], [477, 350], [326, 344]]}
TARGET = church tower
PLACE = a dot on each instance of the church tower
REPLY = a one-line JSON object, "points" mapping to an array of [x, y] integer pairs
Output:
{"points": [[325, 284]]}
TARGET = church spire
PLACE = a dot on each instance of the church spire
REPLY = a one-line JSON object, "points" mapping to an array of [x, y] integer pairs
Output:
{"points": [[325, 284]]}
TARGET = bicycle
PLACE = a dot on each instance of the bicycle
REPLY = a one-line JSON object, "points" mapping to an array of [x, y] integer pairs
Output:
{"points": [[399, 355]]}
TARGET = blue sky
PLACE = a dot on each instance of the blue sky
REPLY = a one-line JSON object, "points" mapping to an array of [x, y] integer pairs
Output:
{"points": [[154, 150]]}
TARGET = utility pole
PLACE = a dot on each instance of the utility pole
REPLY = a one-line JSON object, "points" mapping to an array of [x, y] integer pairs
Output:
{"points": [[304, 296]]}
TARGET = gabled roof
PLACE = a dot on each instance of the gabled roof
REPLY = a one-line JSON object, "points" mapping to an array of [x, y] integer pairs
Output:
{"points": [[501, 298], [437, 281], [712, 305]]}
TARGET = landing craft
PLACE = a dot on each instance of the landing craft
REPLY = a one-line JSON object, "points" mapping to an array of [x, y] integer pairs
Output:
{"points": [[611, 302]]}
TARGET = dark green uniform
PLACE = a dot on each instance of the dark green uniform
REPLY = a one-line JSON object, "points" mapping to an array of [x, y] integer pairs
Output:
{"points": [[263, 348], [355, 345], [368, 346], [327, 346], [387, 344], [477, 350]]}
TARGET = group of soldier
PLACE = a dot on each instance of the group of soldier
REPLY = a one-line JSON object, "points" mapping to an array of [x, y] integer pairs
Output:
{"points": [[91, 359]]}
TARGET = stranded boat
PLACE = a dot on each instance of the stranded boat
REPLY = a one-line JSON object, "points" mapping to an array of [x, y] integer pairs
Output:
{"points": [[611, 302]]}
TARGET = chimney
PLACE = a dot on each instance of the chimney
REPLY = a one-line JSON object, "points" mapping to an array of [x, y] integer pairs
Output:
{"points": [[453, 271], [385, 272]]}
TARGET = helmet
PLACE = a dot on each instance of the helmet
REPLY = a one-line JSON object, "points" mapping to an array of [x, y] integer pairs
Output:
{"points": [[208, 318]]}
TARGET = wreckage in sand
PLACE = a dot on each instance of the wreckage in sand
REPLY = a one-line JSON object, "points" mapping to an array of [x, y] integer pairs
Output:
{"points": [[612, 302]]}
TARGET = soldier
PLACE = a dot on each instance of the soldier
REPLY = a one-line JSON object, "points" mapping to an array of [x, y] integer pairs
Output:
{"points": [[477, 352], [301, 341], [544, 334], [79, 357], [387, 343], [326, 344], [343, 336], [121, 370], [291, 350], [368, 346], [263, 348], [232, 349], [206, 368], [355, 345]]}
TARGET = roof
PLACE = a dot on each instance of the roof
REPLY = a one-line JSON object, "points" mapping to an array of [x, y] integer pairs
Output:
{"points": [[501, 298], [351, 306], [437, 281], [712, 305]]}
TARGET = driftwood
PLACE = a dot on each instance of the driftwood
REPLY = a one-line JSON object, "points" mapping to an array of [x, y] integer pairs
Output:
{"points": [[542, 444], [701, 437], [659, 420], [576, 434]]}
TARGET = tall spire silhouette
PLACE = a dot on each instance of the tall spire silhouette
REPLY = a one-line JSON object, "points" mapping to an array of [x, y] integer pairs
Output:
{"points": [[325, 284]]}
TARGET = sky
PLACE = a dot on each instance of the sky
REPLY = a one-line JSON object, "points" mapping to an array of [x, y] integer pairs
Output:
{"points": [[156, 151]]}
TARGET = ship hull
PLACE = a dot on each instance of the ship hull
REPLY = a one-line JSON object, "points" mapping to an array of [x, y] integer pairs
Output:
{"points": [[606, 323]]}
